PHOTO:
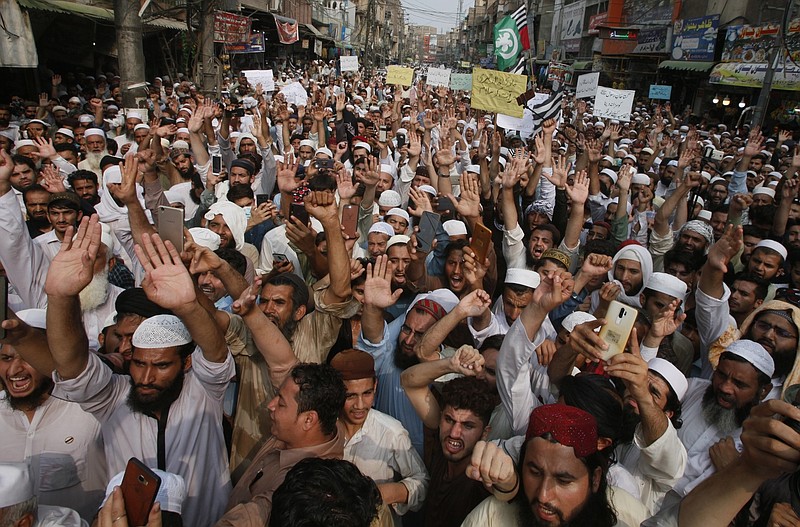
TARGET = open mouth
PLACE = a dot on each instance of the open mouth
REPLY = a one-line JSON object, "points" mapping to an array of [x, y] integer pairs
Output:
{"points": [[453, 446], [19, 384]]}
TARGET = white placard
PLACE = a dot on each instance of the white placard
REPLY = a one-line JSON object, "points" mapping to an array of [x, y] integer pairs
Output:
{"points": [[295, 94], [263, 76], [613, 104], [438, 76], [525, 125], [587, 85], [349, 63]]}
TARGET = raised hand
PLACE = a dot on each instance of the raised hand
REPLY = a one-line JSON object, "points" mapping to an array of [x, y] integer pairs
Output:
{"points": [[467, 361], [167, 282], [665, 322], [624, 178], [492, 466], [414, 144], [126, 191], [469, 205], [579, 191], [378, 285], [545, 352], [594, 150], [548, 127], [474, 271], [52, 180], [724, 249], [243, 305], [287, 172], [322, 205], [596, 265], [560, 168], [755, 143], [344, 184], [632, 370], [422, 201], [551, 293], [72, 268], [474, 304], [46, 148]]}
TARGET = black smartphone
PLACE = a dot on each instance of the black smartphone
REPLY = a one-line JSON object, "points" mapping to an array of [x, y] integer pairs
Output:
{"points": [[428, 225], [401, 141], [139, 490], [216, 164], [324, 164], [238, 112], [165, 121], [299, 211], [277, 257], [445, 204], [261, 199]]}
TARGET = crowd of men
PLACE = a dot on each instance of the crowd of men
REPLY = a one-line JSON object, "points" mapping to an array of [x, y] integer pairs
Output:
{"points": [[332, 340]]}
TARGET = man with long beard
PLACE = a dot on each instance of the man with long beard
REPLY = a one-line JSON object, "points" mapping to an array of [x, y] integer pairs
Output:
{"points": [[52, 435], [27, 262], [713, 412], [166, 413], [95, 146]]}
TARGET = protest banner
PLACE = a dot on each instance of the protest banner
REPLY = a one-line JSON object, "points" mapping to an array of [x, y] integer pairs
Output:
{"points": [[587, 85], [349, 62], [399, 75], [265, 77], [496, 91], [659, 91], [295, 93], [461, 81], [613, 104], [438, 76]]}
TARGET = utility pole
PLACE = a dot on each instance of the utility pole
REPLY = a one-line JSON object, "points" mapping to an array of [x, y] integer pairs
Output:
{"points": [[207, 67], [458, 31], [130, 54], [368, 20]]}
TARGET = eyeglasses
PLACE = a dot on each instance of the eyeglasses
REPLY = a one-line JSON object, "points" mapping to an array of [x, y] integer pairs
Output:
{"points": [[766, 326]]}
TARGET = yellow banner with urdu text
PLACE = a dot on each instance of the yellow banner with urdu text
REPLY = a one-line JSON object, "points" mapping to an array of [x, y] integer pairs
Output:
{"points": [[399, 75], [497, 91]]}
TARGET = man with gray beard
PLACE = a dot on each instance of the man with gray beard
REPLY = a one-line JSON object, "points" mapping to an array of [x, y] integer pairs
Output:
{"points": [[95, 148], [713, 412]]}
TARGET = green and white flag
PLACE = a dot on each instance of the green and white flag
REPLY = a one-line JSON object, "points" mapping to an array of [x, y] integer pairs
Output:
{"points": [[507, 43]]}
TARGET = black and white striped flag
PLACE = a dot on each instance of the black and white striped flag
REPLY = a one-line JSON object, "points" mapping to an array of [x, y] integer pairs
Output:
{"points": [[520, 17], [549, 109]]}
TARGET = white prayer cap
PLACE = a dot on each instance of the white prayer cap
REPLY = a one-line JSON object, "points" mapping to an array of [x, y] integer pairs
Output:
{"points": [[86, 118], [66, 131], [427, 188], [362, 144], [610, 173], [324, 150], [307, 142], [523, 277], [684, 129], [383, 228], [161, 331], [502, 161], [93, 131], [389, 198], [401, 131], [631, 157], [775, 246], [388, 169], [714, 180], [647, 150], [576, 319], [397, 239], [110, 320], [706, 175], [35, 318], [672, 163], [107, 238], [141, 126], [39, 121], [699, 201], [475, 169], [16, 485], [398, 212], [444, 297], [454, 227], [134, 115], [171, 493], [24, 142], [505, 152], [704, 215], [764, 190], [755, 354], [234, 217], [776, 174], [205, 237], [180, 144], [608, 158], [675, 379], [667, 284], [112, 174], [640, 179]]}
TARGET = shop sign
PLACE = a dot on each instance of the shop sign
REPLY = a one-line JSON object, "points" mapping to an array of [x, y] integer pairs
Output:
{"points": [[695, 38]]}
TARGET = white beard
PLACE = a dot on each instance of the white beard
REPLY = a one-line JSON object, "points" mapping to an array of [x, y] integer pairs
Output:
{"points": [[94, 294], [93, 160]]}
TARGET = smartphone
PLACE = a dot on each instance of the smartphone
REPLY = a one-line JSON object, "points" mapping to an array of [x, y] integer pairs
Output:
{"points": [[216, 164], [3, 302], [261, 199], [620, 320], [238, 112], [350, 220], [277, 257], [324, 164], [170, 226], [401, 141], [382, 134], [299, 211], [165, 121], [139, 490], [481, 241], [445, 204], [428, 225]]}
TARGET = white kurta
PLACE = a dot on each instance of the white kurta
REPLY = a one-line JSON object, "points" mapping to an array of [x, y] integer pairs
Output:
{"points": [[195, 447], [64, 447], [381, 449]]}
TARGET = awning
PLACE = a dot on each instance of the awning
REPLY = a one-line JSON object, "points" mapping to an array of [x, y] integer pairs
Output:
{"points": [[686, 65], [582, 65], [314, 31], [91, 11]]}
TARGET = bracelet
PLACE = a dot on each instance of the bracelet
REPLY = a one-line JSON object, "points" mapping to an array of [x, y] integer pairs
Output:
{"points": [[512, 490]]}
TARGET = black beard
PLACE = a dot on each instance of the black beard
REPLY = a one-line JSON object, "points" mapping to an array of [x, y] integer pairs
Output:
{"points": [[39, 223], [724, 419], [403, 361], [784, 360], [666, 181], [289, 328], [34, 399], [161, 401], [584, 517], [630, 420], [4, 122], [187, 175]]}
